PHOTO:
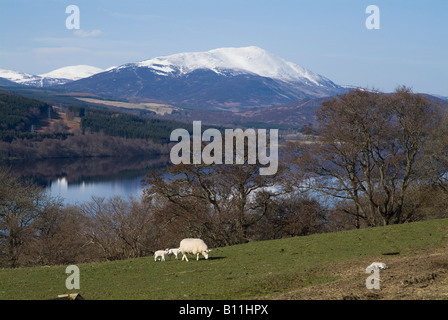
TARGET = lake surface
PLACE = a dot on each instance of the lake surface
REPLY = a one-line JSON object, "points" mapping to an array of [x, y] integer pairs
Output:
{"points": [[80, 192], [76, 181]]}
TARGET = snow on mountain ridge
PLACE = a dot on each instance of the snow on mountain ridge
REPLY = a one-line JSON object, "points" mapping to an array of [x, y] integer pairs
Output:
{"points": [[72, 72], [58, 76], [17, 76], [249, 59]]}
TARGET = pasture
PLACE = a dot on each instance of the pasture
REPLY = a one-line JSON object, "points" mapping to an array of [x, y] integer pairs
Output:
{"points": [[321, 266]]}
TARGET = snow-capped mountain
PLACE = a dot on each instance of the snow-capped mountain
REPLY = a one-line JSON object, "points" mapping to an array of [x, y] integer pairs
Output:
{"points": [[229, 78], [226, 77], [241, 60], [72, 72], [55, 77], [18, 77]]}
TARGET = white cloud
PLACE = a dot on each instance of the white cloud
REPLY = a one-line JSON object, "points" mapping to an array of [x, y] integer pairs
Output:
{"points": [[84, 34]]}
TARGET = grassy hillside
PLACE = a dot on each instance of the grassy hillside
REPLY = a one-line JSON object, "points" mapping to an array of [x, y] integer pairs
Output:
{"points": [[323, 266]]}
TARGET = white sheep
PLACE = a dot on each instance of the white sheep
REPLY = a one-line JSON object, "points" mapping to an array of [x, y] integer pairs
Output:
{"points": [[377, 265], [161, 254], [194, 246], [175, 251]]}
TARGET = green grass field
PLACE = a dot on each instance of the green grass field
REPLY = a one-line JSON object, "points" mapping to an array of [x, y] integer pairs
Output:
{"points": [[258, 270]]}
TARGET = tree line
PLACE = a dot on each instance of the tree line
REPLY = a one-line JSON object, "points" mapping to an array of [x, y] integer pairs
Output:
{"points": [[125, 125], [89, 145], [373, 159]]}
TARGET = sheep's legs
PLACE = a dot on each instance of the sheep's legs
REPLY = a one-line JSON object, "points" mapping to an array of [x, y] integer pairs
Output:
{"points": [[184, 256]]}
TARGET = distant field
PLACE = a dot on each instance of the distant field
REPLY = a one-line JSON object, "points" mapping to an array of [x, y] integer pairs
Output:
{"points": [[322, 266], [155, 107]]}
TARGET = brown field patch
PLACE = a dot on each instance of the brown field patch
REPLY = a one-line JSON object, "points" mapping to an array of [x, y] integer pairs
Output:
{"points": [[423, 276]]}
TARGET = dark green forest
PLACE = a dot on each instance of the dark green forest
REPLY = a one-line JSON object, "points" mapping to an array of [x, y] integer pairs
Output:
{"points": [[126, 125], [18, 114], [26, 133]]}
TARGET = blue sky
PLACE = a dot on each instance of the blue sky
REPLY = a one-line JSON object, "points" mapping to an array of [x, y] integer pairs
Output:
{"points": [[326, 36]]}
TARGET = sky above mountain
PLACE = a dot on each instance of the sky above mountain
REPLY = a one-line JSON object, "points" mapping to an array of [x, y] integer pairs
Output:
{"points": [[326, 36]]}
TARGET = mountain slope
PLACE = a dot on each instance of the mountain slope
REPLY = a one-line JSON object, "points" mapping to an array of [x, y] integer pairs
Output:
{"points": [[8, 83], [225, 78]]}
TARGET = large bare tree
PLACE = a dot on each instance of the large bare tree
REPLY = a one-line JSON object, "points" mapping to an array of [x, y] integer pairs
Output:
{"points": [[20, 205], [120, 228], [369, 151]]}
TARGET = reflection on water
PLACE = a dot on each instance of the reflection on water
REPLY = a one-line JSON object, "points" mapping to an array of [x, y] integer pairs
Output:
{"points": [[80, 192], [76, 181]]}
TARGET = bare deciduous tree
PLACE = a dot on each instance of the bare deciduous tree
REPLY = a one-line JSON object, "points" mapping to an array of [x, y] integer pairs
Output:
{"points": [[20, 205], [122, 229], [368, 152]]}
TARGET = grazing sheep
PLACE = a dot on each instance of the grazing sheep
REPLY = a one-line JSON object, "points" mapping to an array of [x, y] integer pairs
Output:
{"points": [[377, 265], [194, 246], [161, 254], [173, 251]]}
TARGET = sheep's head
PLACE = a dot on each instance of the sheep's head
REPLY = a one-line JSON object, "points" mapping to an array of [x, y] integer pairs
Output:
{"points": [[205, 253]]}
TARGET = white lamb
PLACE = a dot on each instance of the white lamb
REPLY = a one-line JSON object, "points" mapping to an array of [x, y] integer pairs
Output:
{"points": [[377, 265], [161, 254], [194, 246], [173, 251]]}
